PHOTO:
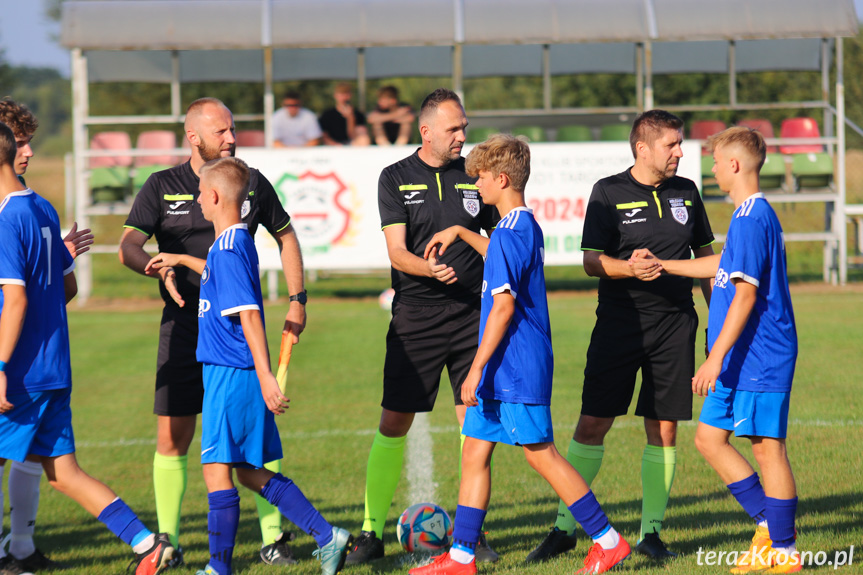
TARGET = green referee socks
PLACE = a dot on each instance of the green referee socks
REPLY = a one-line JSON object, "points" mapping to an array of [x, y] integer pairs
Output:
{"points": [[383, 472], [169, 481], [657, 476], [268, 515], [586, 459]]}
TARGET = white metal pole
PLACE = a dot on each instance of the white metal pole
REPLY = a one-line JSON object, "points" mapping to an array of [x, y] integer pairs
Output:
{"points": [[839, 222], [80, 112]]}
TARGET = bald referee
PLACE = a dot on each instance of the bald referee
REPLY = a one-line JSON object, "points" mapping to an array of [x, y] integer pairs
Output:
{"points": [[166, 208]]}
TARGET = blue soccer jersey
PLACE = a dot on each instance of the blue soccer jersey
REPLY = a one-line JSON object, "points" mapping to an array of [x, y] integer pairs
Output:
{"points": [[520, 370], [230, 284], [764, 355], [33, 255]]}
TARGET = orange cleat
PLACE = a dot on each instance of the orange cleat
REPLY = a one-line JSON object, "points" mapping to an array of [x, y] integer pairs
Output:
{"points": [[600, 560], [755, 558], [445, 565]]}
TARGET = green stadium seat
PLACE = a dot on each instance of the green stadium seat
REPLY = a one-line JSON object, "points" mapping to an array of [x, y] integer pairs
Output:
{"points": [[477, 135], [109, 175], [813, 170], [141, 174], [574, 133], [532, 133], [772, 175], [615, 133], [708, 182]]}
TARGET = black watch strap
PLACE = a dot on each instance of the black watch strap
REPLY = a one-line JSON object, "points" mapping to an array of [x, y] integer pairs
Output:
{"points": [[301, 297]]}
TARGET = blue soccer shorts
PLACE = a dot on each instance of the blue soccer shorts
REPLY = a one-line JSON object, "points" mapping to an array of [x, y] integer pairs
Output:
{"points": [[236, 426], [747, 413], [510, 423], [40, 424]]}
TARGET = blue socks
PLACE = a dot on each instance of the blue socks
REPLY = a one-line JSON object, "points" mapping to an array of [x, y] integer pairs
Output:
{"points": [[222, 522], [590, 515], [750, 495], [284, 494], [468, 525], [780, 520], [123, 523]]}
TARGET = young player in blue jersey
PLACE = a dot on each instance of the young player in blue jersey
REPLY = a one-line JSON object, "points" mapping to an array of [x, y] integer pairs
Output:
{"points": [[36, 274], [241, 395], [508, 387], [752, 340]]}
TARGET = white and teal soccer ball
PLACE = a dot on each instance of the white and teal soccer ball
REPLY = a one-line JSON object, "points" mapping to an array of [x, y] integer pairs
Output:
{"points": [[424, 527], [386, 299]]}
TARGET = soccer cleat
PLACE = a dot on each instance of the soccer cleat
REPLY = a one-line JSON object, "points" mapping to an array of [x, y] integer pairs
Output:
{"points": [[38, 561], [785, 563], [279, 552], [10, 566], [178, 560], [156, 559], [445, 565], [207, 571], [653, 547], [600, 560], [367, 547], [332, 555], [554, 544], [484, 552], [755, 558]]}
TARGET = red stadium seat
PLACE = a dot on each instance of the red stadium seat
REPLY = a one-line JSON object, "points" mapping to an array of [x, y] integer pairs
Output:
{"points": [[703, 129], [800, 128], [250, 139], [109, 175], [763, 126], [114, 141], [156, 140]]}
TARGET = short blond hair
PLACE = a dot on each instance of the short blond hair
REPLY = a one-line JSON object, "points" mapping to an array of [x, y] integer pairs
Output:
{"points": [[746, 139], [230, 176], [501, 154]]}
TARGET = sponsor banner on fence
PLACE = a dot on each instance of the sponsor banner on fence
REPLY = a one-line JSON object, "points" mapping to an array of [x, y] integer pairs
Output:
{"points": [[331, 194]]}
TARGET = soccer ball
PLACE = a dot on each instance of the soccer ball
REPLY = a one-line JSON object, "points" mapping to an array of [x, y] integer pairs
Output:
{"points": [[424, 527], [386, 299]]}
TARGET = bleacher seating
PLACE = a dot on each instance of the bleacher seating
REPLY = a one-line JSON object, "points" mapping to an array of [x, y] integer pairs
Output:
{"points": [[532, 133], [800, 128], [109, 175], [614, 133], [574, 133], [147, 165], [772, 175], [811, 166], [763, 126], [477, 135], [703, 129], [251, 139]]}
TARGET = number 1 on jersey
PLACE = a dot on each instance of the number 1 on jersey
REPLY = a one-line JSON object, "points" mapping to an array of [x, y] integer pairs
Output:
{"points": [[46, 233]]}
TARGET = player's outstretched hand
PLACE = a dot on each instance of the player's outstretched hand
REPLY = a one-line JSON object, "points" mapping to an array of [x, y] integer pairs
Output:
{"points": [[276, 402], [4, 403], [706, 376], [644, 265], [159, 261], [78, 241], [444, 239], [438, 270], [469, 387]]}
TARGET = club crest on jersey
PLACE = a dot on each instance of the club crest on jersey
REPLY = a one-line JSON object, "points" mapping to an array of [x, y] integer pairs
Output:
{"points": [[247, 207], [469, 198], [206, 275], [678, 210], [471, 206]]}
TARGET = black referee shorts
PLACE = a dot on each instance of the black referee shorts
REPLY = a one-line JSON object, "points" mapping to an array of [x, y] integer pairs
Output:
{"points": [[661, 345], [422, 339], [179, 376]]}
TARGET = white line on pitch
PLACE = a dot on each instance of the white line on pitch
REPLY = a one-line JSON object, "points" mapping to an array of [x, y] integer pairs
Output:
{"points": [[419, 460]]}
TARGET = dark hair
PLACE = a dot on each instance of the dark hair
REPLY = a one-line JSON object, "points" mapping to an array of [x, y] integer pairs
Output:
{"points": [[648, 127], [292, 95], [8, 147], [389, 91], [18, 117], [435, 99]]}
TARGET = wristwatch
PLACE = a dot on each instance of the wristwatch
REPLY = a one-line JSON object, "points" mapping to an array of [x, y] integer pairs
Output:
{"points": [[301, 297]]}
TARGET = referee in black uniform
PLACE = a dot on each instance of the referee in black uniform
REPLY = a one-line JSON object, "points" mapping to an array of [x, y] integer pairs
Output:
{"points": [[167, 207], [644, 321], [437, 301]]}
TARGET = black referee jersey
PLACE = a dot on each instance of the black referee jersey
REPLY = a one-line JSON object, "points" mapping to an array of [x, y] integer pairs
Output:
{"points": [[167, 207], [624, 215], [427, 200]]}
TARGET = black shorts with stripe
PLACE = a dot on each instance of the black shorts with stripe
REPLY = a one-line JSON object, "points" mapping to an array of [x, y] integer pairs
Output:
{"points": [[660, 344], [421, 341]]}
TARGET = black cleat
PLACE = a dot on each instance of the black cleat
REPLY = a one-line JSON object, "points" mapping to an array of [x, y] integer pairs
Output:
{"points": [[484, 552], [38, 561], [653, 547], [11, 566], [555, 543], [178, 560], [367, 547], [278, 552]]}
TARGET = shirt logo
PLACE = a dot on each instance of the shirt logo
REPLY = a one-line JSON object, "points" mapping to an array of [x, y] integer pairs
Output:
{"points": [[203, 307], [411, 195], [680, 215], [206, 275], [247, 207], [633, 212], [721, 279], [176, 205], [471, 206]]}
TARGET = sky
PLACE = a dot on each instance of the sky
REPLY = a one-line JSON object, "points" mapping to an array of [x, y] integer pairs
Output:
{"points": [[28, 38]]}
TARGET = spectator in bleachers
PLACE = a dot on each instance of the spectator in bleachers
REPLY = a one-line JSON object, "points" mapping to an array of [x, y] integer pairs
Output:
{"points": [[391, 120], [293, 125], [343, 124]]}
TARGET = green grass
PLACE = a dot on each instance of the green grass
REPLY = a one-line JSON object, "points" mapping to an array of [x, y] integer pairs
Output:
{"points": [[335, 387]]}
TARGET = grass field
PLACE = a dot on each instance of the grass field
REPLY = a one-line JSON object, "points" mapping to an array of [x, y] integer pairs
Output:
{"points": [[335, 389]]}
